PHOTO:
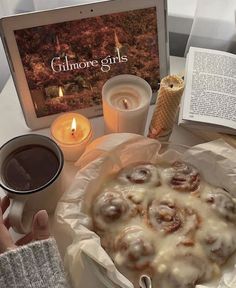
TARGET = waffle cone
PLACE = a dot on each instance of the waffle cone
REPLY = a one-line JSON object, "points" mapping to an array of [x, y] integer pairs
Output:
{"points": [[168, 99]]}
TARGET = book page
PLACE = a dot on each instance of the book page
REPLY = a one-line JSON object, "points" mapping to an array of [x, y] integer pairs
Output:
{"points": [[210, 93]]}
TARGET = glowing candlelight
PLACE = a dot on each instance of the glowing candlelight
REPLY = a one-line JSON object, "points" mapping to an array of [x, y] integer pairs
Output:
{"points": [[72, 132], [118, 45], [117, 42], [60, 92], [58, 46], [73, 126]]}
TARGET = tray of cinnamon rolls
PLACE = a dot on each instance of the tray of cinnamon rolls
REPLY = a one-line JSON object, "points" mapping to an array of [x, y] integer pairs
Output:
{"points": [[159, 217]]}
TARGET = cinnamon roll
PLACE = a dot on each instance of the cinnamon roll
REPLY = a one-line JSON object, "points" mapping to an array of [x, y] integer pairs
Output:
{"points": [[134, 249], [164, 216], [147, 226], [182, 177], [108, 208], [219, 246], [184, 271], [191, 224], [140, 174], [222, 202]]}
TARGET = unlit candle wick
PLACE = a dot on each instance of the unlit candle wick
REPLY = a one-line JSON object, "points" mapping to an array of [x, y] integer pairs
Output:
{"points": [[125, 102]]}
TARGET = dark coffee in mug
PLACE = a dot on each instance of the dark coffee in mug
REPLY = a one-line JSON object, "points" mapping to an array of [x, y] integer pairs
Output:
{"points": [[29, 167]]}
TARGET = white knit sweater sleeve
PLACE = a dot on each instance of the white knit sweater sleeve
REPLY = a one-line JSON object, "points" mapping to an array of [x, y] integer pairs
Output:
{"points": [[36, 265]]}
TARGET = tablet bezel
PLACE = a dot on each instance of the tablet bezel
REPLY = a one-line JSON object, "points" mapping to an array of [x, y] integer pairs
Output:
{"points": [[34, 19]]}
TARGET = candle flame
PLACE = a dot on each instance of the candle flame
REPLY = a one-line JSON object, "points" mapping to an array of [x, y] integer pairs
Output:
{"points": [[73, 126], [60, 92], [58, 46], [117, 42], [125, 102]]}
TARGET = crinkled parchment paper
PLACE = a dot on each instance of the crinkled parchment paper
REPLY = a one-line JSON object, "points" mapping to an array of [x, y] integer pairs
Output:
{"points": [[85, 260]]}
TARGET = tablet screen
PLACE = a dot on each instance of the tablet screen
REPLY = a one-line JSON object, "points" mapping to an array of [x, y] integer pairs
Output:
{"points": [[66, 64]]}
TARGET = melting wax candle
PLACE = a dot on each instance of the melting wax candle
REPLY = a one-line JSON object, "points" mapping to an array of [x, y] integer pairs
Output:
{"points": [[72, 132], [126, 100]]}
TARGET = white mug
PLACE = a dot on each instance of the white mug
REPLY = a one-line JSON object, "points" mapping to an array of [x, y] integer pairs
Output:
{"points": [[25, 203]]}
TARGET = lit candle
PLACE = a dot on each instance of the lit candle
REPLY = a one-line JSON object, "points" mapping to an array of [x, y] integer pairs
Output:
{"points": [[60, 92], [126, 100], [72, 132]]}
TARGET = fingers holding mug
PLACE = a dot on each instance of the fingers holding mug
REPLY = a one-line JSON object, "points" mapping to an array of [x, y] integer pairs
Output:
{"points": [[40, 229], [5, 203], [6, 241]]}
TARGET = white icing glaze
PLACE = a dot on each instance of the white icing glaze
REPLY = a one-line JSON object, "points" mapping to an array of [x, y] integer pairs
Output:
{"points": [[205, 235], [139, 174], [134, 248], [109, 208], [182, 177], [222, 202]]}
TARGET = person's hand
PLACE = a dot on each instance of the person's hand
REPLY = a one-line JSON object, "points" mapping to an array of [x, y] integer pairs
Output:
{"points": [[40, 228]]}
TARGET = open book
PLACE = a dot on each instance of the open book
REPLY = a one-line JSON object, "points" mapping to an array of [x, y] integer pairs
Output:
{"points": [[209, 99]]}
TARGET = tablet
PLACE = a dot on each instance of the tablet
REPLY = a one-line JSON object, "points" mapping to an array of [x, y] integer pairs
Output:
{"points": [[61, 58]]}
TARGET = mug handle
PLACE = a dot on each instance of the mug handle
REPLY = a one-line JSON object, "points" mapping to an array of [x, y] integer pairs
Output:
{"points": [[19, 223]]}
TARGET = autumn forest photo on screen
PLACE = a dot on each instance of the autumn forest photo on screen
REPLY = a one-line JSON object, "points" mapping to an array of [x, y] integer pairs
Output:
{"points": [[66, 64]]}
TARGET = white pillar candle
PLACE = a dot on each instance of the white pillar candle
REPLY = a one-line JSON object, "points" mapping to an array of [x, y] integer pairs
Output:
{"points": [[72, 132], [126, 100]]}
